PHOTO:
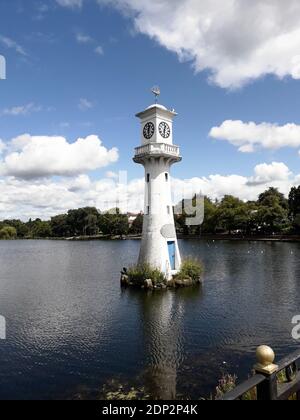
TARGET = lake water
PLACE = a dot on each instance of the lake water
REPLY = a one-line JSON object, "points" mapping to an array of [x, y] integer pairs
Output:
{"points": [[71, 329]]}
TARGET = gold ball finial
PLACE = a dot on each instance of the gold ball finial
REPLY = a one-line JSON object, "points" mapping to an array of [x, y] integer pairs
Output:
{"points": [[265, 355]]}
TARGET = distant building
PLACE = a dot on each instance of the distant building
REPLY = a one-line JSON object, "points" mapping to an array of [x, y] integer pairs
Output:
{"points": [[132, 217]]}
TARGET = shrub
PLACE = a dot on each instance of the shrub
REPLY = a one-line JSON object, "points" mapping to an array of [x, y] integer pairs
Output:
{"points": [[139, 273], [8, 232], [115, 390], [190, 268], [226, 384]]}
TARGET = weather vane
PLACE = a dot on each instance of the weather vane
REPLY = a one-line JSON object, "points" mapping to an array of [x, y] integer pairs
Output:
{"points": [[156, 92]]}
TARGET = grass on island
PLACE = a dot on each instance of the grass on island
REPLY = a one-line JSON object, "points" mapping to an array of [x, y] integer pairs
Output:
{"points": [[190, 268], [138, 274]]}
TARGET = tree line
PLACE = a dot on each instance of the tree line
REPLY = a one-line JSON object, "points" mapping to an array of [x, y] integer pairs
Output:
{"points": [[271, 214], [87, 221]]}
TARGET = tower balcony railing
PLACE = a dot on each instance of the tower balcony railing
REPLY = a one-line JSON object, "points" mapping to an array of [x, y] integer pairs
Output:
{"points": [[157, 149]]}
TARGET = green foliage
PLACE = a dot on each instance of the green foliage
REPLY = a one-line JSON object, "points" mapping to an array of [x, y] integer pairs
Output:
{"points": [[273, 210], [226, 384], [60, 227], [210, 217], [232, 214], [190, 268], [21, 228], [139, 273], [41, 230], [83, 221], [294, 208], [296, 223], [272, 197], [137, 225], [271, 214], [114, 223], [8, 232], [115, 390]]}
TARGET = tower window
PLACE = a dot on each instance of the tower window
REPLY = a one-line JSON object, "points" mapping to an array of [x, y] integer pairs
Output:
{"points": [[168, 209], [167, 177], [148, 210], [148, 178]]}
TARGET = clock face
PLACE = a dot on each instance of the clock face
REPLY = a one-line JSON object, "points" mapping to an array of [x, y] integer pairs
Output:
{"points": [[149, 130], [164, 130]]}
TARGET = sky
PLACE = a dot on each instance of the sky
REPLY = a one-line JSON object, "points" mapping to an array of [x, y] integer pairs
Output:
{"points": [[77, 72]]}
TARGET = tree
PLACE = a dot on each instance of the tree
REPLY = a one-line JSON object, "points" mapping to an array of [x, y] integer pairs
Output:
{"points": [[21, 227], [41, 229], [137, 225], [272, 197], [272, 214], [296, 223], [59, 226], [232, 214], [83, 221], [252, 226], [8, 232], [91, 223], [210, 217], [187, 209], [114, 223], [294, 208]]}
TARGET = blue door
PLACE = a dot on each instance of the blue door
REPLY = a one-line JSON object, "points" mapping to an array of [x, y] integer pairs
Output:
{"points": [[171, 248]]}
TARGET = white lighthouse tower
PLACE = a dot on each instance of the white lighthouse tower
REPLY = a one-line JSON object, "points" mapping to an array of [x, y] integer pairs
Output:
{"points": [[159, 247]]}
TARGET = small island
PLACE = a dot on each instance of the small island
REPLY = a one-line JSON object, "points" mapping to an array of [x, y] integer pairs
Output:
{"points": [[148, 278]]}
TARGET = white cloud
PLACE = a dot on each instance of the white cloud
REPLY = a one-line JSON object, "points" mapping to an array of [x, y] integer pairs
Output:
{"points": [[236, 40], [64, 124], [81, 183], [85, 104], [70, 3], [250, 136], [99, 50], [24, 198], [11, 44], [86, 39], [246, 188], [21, 110], [264, 174], [42, 9], [45, 198], [112, 175], [83, 39], [41, 156], [2, 146]]}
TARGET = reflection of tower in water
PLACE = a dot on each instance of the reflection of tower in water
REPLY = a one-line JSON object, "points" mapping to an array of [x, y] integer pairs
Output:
{"points": [[162, 315]]}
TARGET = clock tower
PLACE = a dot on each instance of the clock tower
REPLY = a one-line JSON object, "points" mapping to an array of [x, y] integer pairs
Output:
{"points": [[159, 247]]}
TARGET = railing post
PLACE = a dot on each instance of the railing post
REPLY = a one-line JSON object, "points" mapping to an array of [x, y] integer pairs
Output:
{"points": [[267, 390]]}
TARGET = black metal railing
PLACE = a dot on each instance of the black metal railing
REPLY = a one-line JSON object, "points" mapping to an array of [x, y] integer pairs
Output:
{"points": [[271, 382]]}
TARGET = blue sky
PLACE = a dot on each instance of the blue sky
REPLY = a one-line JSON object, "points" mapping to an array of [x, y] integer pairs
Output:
{"points": [[80, 68]]}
